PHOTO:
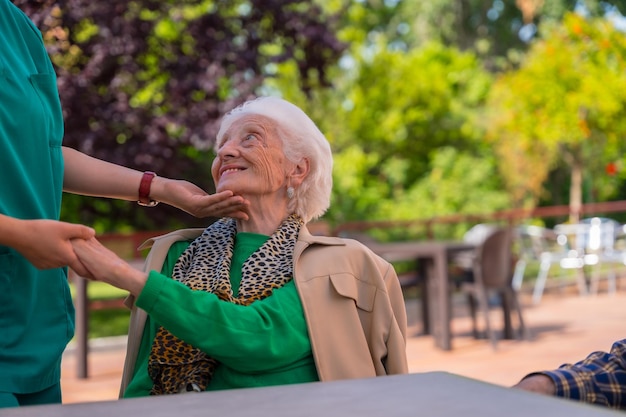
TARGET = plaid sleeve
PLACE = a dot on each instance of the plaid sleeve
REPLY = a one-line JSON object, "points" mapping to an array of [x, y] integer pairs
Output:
{"points": [[599, 379]]}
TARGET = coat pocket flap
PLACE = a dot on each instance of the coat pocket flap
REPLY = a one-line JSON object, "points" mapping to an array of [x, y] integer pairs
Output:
{"points": [[348, 286]]}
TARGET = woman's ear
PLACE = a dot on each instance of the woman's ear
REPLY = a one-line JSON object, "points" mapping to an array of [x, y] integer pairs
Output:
{"points": [[299, 172]]}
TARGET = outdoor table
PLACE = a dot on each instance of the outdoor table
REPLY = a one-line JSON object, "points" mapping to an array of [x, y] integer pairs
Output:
{"points": [[432, 259], [432, 394]]}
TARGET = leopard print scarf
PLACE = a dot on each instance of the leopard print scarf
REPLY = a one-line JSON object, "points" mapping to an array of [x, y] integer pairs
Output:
{"points": [[176, 366]]}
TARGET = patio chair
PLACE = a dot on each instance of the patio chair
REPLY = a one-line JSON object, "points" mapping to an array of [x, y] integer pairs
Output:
{"points": [[492, 273], [599, 246], [591, 246], [463, 262], [549, 247]]}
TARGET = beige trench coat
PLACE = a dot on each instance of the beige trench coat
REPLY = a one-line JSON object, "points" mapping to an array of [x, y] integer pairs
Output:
{"points": [[352, 301]]}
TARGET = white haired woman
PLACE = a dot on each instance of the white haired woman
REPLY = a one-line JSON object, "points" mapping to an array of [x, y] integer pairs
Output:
{"points": [[258, 300]]}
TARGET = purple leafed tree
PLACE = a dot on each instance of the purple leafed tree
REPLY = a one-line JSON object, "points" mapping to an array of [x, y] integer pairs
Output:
{"points": [[144, 83]]}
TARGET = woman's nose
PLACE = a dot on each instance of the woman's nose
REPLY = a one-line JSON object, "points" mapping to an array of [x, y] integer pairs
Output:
{"points": [[228, 149]]}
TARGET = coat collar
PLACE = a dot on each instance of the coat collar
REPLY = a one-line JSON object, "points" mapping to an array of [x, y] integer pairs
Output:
{"points": [[305, 237], [310, 239]]}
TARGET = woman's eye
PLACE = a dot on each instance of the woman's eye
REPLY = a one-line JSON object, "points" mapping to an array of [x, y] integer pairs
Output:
{"points": [[249, 136]]}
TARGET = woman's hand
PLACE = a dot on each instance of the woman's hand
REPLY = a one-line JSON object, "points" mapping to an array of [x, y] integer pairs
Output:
{"points": [[195, 201], [104, 265]]}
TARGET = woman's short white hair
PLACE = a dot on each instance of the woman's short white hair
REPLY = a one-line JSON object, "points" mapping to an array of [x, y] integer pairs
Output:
{"points": [[301, 138]]}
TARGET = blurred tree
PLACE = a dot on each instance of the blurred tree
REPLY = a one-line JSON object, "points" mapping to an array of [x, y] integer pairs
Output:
{"points": [[496, 30], [400, 93], [564, 105], [458, 182], [387, 114], [143, 83]]}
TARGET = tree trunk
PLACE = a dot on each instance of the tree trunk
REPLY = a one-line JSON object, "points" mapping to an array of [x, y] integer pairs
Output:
{"points": [[576, 191]]}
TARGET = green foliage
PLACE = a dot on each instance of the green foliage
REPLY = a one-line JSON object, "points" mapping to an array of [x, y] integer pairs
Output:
{"points": [[108, 322], [565, 104], [100, 291], [458, 183], [394, 113]]}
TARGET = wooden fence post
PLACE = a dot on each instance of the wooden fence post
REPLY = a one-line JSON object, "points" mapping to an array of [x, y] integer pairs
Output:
{"points": [[82, 326]]}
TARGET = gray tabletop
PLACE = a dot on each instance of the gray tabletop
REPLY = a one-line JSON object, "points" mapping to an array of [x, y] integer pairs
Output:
{"points": [[432, 394]]}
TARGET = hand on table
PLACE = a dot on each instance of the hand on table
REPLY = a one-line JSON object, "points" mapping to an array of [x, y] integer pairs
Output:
{"points": [[541, 384]]}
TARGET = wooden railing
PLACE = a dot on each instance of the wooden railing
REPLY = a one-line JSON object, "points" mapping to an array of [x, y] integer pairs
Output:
{"points": [[512, 217]]}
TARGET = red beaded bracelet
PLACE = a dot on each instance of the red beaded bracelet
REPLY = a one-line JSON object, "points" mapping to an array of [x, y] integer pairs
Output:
{"points": [[144, 190]]}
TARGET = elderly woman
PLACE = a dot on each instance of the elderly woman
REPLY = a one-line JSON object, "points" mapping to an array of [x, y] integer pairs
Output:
{"points": [[257, 300]]}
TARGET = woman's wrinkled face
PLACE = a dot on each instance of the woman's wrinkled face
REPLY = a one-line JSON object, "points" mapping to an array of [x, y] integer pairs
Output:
{"points": [[250, 158]]}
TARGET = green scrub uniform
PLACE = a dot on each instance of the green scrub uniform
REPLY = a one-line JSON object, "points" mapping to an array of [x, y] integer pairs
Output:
{"points": [[36, 311], [265, 343]]}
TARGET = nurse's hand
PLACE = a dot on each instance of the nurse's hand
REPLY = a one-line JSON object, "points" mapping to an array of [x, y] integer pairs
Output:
{"points": [[195, 201], [45, 243]]}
